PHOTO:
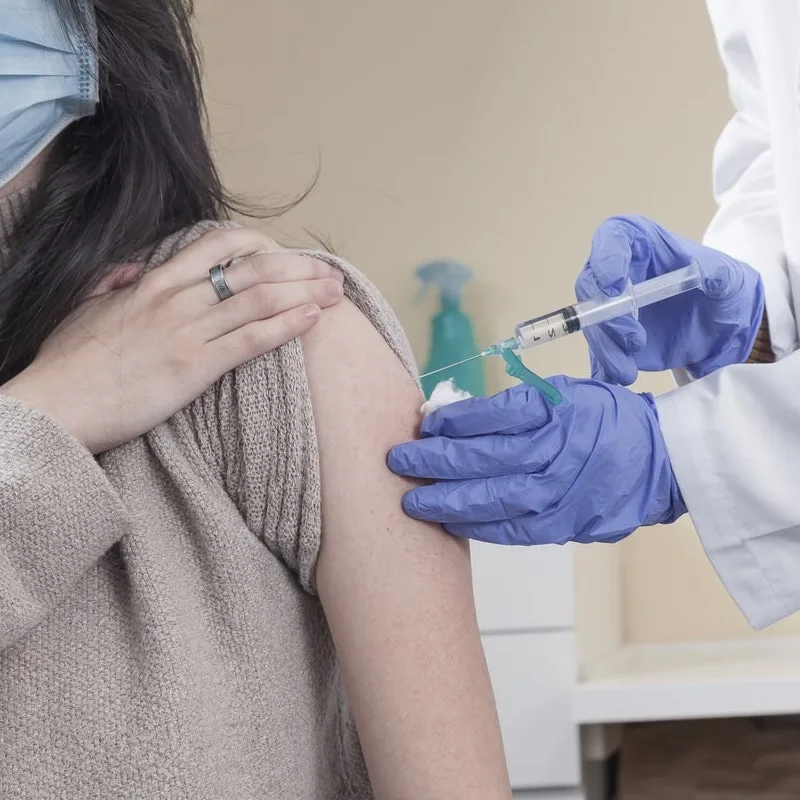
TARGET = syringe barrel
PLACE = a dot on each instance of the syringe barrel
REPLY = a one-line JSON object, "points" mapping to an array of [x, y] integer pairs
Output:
{"points": [[638, 295], [602, 308], [667, 285], [546, 328]]}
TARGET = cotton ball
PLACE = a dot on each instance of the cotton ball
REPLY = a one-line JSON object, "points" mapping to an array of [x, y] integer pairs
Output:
{"points": [[444, 394]]}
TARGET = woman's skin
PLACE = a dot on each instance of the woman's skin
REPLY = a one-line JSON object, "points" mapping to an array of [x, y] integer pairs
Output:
{"points": [[397, 593]]}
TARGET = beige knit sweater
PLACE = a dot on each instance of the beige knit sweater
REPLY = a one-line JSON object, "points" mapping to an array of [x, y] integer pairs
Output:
{"points": [[159, 633]]}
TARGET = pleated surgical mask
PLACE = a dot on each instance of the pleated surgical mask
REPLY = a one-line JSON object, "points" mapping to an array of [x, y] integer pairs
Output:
{"points": [[48, 79]]}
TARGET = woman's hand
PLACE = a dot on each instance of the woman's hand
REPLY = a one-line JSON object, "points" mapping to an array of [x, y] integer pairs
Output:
{"points": [[136, 353]]}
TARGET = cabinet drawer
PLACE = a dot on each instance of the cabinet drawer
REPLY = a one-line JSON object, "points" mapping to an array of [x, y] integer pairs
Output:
{"points": [[533, 676], [522, 588]]}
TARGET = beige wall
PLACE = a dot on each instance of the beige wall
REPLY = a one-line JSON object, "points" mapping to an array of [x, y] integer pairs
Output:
{"points": [[499, 132]]}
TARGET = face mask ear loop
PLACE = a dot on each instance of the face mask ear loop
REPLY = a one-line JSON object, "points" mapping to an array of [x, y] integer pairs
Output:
{"points": [[86, 46]]}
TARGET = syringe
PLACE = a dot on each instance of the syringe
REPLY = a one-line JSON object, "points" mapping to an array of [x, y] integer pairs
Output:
{"points": [[601, 308]]}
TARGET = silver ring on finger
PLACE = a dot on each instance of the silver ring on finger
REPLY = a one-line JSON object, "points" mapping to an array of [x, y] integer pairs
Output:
{"points": [[220, 283]]}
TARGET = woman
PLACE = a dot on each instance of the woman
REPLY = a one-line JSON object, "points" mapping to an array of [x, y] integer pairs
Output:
{"points": [[161, 541]]}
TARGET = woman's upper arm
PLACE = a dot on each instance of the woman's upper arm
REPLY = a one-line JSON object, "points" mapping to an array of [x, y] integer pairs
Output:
{"points": [[397, 593]]}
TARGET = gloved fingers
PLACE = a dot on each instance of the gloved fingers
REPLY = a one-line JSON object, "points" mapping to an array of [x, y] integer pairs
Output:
{"points": [[586, 285], [482, 500], [560, 523], [592, 283], [617, 252], [529, 529], [722, 277], [514, 410], [627, 333], [442, 458], [609, 539], [597, 370], [610, 361]]}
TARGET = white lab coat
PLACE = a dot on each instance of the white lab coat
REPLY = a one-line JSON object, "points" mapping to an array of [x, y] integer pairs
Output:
{"points": [[734, 437]]}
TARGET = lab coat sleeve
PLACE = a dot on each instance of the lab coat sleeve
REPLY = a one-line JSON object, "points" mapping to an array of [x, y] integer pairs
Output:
{"points": [[734, 442], [748, 221]]}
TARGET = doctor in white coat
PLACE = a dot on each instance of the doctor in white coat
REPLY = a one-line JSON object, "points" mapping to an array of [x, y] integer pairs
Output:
{"points": [[725, 445]]}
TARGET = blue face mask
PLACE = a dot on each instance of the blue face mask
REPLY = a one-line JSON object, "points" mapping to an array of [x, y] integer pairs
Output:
{"points": [[48, 79]]}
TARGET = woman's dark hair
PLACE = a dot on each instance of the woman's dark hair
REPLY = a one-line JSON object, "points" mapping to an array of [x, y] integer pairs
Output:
{"points": [[118, 182]]}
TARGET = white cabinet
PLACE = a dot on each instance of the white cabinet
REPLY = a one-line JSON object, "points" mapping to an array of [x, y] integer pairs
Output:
{"points": [[533, 675], [522, 588], [526, 613]]}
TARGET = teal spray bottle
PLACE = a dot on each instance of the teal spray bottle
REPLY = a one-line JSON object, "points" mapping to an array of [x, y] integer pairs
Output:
{"points": [[452, 332]]}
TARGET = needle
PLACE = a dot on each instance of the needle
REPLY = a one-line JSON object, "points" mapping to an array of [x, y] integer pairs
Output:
{"points": [[450, 366]]}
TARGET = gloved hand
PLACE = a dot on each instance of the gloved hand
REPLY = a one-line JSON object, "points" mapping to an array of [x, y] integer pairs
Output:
{"points": [[512, 469], [699, 330]]}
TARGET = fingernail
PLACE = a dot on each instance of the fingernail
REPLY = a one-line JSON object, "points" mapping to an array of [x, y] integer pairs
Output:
{"points": [[338, 274], [310, 311], [333, 288]]}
